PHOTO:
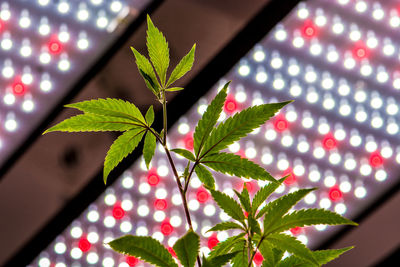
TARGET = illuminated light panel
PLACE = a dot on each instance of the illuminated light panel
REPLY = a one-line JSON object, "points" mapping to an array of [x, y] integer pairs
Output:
{"points": [[42, 44], [331, 141]]}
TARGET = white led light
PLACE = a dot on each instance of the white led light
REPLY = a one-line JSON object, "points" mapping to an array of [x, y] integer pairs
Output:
{"points": [[159, 216], [303, 12], [43, 2], [338, 28], [293, 69], [244, 70], [96, 2], [276, 61], [287, 140], [108, 262], [310, 198], [64, 36], [45, 85], [270, 134], [349, 63], [261, 77], [143, 210], [11, 124], [76, 232], [162, 170], [110, 199], [176, 199], [26, 49], [298, 42], [116, 6], [109, 221], [93, 216], [251, 152], [24, 20], [366, 69], [175, 221], [278, 83], [280, 34], [295, 90], [60, 248], [5, 13], [60, 264], [92, 258], [377, 122], [388, 49], [161, 193], [345, 109], [194, 204], [378, 13], [325, 203], [63, 7], [303, 146], [259, 55], [350, 164], [345, 186], [355, 140], [310, 76], [394, 21], [360, 96], [6, 42], [323, 127], [307, 122], [76, 253], [340, 134], [327, 82], [93, 237], [372, 42], [240, 96], [335, 158], [299, 170], [392, 128], [396, 83], [315, 49], [128, 182], [360, 192], [44, 58], [142, 231], [28, 105], [283, 164], [102, 20], [328, 103], [209, 210], [83, 13], [365, 169], [340, 208], [371, 145], [312, 96], [183, 128], [382, 76], [386, 152], [127, 204], [319, 152], [291, 115], [44, 27], [380, 175], [9, 99], [332, 56], [361, 6], [267, 158], [392, 108], [64, 64], [361, 116], [27, 78]]}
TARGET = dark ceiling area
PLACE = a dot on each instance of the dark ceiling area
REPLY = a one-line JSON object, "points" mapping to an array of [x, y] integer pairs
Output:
{"points": [[55, 168]]}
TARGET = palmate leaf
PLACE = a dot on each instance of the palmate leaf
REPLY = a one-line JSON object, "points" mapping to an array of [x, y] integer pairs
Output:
{"points": [[244, 199], [226, 246], [149, 148], [254, 225], [145, 248], [235, 165], [275, 210], [187, 248], [110, 107], [146, 71], [229, 205], [150, 116], [121, 148], [300, 218], [205, 176], [292, 245], [322, 257], [225, 226], [238, 126], [184, 153], [183, 66], [270, 254], [93, 123], [158, 50], [209, 119], [264, 193], [241, 259], [218, 261]]}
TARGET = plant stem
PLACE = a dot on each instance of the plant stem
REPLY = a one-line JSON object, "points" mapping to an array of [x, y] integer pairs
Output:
{"points": [[164, 104], [254, 253]]}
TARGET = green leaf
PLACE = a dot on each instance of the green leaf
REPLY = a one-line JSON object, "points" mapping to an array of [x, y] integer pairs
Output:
{"points": [[209, 119], [184, 153], [121, 148], [149, 148], [93, 123], [235, 165], [146, 70], [270, 254], [158, 50], [322, 256], [300, 218], [244, 199], [110, 107], [218, 261], [229, 205], [174, 89], [187, 248], [263, 194], [226, 246], [238, 126], [275, 210], [183, 66], [225, 226], [292, 245], [150, 116], [144, 248], [241, 259], [254, 225], [205, 176]]}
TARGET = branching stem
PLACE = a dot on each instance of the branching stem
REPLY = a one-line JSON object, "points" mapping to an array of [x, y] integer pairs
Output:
{"points": [[255, 251]]}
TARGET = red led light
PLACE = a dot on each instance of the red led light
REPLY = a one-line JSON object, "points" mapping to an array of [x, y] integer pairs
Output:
{"points": [[118, 212], [335, 194], [329, 142], [84, 244], [202, 195], [54, 46], [360, 51], [188, 142], [212, 241], [172, 252], [281, 124], [160, 204], [296, 230], [19, 88], [249, 186], [132, 261], [291, 179], [166, 228], [375, 160], [1, 25], [230, 105], [258, 258], [153, 178], [309, 29]]}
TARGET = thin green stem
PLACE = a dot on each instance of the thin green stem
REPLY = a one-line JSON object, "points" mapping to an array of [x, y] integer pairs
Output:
{"points": [[255, 251], [164, 104]]}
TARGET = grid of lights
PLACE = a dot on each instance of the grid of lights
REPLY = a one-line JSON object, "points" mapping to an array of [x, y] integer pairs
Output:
{"points": [[42, 44], [336, 59]]}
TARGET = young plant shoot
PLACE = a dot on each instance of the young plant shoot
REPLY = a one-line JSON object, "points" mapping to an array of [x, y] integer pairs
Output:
{"points": [[259, 224]]}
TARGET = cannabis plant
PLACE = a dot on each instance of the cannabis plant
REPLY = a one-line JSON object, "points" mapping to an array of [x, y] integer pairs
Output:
{"points": [[258, 229]]}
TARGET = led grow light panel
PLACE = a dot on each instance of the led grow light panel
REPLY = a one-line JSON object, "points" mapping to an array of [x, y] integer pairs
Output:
{"points": [[45, 47], [338, 61]]}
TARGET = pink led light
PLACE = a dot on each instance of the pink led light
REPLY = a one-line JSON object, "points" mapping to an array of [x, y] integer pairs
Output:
{"points": [[281, 124], [230, 105], [212, 241], [291, 179], [166, 228], [172, 252], [55, 46], [132, 261], [296, 230], [335, 194], [152, 178], [188, 140], [202, 195], [258, 258], [329, 142], [375, 160], [160, 204], [118, 212], [360, 51], [309, 30], [19, 87], [84, 244]]}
